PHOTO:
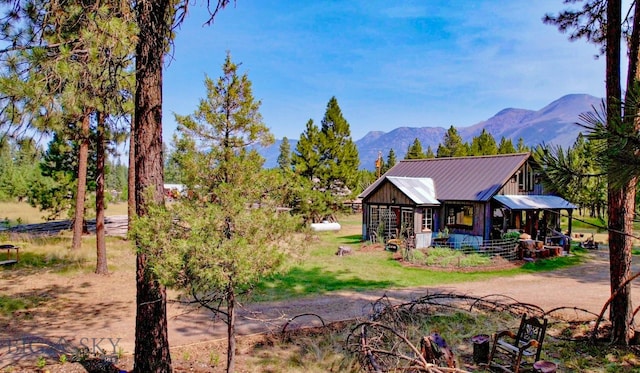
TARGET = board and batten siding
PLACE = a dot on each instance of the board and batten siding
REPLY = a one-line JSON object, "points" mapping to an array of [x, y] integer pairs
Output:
{"points": [[386, 194]]}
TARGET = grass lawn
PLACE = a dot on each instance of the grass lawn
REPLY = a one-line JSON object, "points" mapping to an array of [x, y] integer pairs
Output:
{"points": [[316, 269], [321, 271]]}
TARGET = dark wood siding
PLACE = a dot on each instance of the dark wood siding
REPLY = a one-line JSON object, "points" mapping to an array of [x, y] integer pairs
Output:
{"points": [[388, 194]]}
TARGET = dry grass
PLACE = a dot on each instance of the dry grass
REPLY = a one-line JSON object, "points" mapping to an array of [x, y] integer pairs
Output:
{"points": [[20, 213], [23, 213], [53, 253]]}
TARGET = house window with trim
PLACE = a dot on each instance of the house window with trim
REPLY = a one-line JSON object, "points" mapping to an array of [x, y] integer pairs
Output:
{"points": [[525, 178], [460, 216], [406, 229], [427, 218]]}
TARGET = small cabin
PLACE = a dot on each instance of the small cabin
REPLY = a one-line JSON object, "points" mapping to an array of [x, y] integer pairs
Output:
{"points": [[479, 197]]}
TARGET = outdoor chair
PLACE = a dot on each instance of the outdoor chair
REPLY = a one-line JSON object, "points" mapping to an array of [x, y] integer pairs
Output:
{"points": [[374, 237], [510, 350]]}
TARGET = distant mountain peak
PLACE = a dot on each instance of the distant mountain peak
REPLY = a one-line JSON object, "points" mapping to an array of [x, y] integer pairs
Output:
{"points": [[553, 124]]}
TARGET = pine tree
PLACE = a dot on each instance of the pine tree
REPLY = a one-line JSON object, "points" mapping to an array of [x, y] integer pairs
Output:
{"points": [[306, 158], [155, 20], [64, 75], [452, 145], [484, 144], [391, 161], [327, 159], [429, 154], [228, 123], [338, 153], [506, 146], [521, 147], [602, 23], [284, 158], [233, 239], [415, 150]]}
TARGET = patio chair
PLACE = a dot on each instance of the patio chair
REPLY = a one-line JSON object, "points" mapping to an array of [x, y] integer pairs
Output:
{"points": [[510, 350]]}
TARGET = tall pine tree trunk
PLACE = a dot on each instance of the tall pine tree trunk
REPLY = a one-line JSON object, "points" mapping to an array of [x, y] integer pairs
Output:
{"points": [[624, 200], [81, 190], [154, 21], [101, 247], [620, 201], [131, 178]]}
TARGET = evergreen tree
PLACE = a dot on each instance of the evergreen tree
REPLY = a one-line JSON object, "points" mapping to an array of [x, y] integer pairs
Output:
{"points": [[64, 75], [452, 145], [19, 169], [173, 173], [116, 178], [506, 146], [601, 22], [228, 123], [338, 153], [284, 158], [306, 158], [429, 154], [391, 161], [415, 150], [521, 147], [60, 165], [484, 144], [155, 20], [226, 239], [327, 159]]}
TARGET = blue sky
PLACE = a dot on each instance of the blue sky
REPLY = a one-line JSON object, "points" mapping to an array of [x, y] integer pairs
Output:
{"points": [[389, 63]]}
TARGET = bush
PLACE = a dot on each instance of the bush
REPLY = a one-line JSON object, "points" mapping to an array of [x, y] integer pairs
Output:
{"points": [[511, 235]]}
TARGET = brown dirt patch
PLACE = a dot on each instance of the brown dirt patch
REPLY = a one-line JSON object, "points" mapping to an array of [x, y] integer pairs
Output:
{"points": [[81, 305]]}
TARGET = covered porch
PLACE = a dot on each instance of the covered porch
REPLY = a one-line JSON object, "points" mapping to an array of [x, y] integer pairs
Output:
{"points": [[538, 217]]}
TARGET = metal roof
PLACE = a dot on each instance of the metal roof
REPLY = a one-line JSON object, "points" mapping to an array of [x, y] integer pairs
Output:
{"points": [[534, 202], [460, 178], [420, 190]]}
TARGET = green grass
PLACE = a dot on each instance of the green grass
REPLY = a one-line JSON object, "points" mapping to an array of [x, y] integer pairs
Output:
{"points": [[445, 257], [551, 264], [9, 305], [321, 271]]}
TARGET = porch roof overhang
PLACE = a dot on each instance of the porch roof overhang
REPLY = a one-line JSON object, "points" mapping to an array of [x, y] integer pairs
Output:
{"points": [[420, 190], [534, 202]]}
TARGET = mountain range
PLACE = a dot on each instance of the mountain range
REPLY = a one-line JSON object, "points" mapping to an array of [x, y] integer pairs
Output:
{"points": [[554, 124]]}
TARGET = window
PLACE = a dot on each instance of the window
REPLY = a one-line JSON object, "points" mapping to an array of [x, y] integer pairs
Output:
{"points": [[427, 218], [460, 215], [525, 178], [451, 216], [407, 222]]}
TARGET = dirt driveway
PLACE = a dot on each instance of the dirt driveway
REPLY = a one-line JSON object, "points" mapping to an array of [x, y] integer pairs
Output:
{"points": [[99, 312]]}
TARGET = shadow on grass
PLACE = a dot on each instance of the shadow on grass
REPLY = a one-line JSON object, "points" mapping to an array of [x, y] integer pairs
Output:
{"points": [[350, 240], [300, 282]]}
